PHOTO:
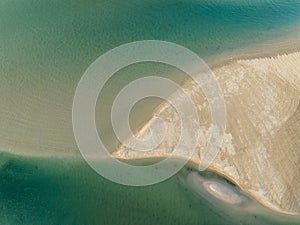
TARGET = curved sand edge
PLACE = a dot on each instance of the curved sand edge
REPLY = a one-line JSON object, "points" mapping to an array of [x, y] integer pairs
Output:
{"points": [[260, 146], [286, 78], [261, 199]]}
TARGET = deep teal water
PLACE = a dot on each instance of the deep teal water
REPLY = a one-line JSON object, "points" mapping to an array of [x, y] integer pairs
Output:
{"points": [[45, 46], [43, 191], [66, 191], [60, 32]]}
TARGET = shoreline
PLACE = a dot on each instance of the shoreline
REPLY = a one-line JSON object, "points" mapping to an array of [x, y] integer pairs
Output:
{"points": [[159, 153], [192, 162], [269, 49], [75, 153], [243, 55], [287, 45], [284, 46], [195, 164]]}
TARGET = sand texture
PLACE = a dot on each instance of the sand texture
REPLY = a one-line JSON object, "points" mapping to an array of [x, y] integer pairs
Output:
{"points": [[261, 146]]}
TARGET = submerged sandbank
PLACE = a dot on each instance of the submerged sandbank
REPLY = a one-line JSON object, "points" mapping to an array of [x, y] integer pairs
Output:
{"points": [[222, 191]]}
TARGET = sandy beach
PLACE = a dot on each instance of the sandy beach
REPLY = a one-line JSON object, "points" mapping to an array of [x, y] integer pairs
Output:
{"points": [[261, 141], [260, 145], [47, 48]]}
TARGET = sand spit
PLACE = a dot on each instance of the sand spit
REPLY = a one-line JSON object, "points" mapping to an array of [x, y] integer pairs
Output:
{"points": [[261, 145]]}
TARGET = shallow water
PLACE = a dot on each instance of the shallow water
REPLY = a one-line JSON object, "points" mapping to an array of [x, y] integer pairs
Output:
{"points": [[231, 200], [66, 191], [45, 46]]}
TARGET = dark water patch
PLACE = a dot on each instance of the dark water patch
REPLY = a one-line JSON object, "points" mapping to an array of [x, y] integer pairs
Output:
{"points": [[67, 191]]}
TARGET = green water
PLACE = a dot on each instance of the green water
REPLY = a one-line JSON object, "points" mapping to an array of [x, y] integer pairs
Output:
{"points": [[66, 191], [45, 46], [39, 191]]}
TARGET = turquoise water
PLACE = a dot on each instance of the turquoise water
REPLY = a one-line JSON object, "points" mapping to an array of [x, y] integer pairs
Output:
{"points": [[45, 46], [71, 31], [39, 191], [67, 191]]}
